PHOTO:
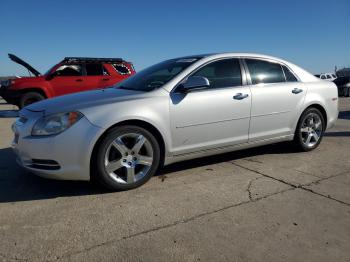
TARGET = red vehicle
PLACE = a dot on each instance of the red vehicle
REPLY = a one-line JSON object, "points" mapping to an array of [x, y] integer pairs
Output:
{"points": [[72, 74]]}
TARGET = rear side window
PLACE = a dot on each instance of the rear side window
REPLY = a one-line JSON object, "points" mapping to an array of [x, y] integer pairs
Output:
{"points": [[264, 72], [95, 70], [290, 77], [323, 77], [122, 69], [223, 73]]}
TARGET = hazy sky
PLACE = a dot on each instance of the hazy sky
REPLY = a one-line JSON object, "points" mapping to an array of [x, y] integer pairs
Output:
{"points": [[312, 34]]}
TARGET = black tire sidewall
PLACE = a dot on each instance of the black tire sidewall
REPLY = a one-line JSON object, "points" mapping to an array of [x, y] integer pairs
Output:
{"points": [[298, 136], [29, 95], [100, 173]]}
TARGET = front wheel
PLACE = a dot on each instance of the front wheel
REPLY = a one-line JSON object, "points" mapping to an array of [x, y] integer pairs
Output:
{"points": [[310, 129], [127, 157], [30, 98]]}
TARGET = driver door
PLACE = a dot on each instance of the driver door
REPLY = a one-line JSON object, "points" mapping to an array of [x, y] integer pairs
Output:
{"points": [[67, 79], [215, 116]]}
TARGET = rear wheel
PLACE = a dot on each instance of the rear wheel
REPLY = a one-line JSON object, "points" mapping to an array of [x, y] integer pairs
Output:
{"points": [[127, 158], [310, 129], [30, 98]]}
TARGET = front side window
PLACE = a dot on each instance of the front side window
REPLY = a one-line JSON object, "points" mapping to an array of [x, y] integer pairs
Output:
{"points": [[264, 72], [323, 77], [222, 73], [290, 77], [69, 70], [328, 77]]}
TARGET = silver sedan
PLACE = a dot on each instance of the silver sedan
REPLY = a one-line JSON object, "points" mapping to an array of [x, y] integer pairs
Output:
{"points": [[176, 110]]}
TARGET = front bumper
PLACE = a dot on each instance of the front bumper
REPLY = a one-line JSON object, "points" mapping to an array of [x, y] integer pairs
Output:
{"points": [[65, 156], [10, 96]]}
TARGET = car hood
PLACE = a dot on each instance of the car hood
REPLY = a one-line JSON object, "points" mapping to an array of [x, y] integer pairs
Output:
{"points": [[83, 100], [25, 64]]}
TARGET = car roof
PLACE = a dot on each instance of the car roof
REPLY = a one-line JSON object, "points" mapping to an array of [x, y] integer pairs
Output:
{"points": [[91, 60]]}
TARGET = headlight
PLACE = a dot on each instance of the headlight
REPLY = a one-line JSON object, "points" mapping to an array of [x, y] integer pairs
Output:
{"points": [[55, 124]]}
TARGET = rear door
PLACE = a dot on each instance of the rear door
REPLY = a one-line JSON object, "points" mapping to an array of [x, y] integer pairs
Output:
{"points": [[213, 117], [277, 98], [96, 76]]}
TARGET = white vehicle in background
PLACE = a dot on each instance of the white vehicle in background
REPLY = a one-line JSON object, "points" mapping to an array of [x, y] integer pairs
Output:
{"points": [[327, 76]]}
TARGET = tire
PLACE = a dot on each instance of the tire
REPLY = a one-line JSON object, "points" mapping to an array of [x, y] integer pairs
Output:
{"points": [[308, 134], [30, 98], [127, 157]]}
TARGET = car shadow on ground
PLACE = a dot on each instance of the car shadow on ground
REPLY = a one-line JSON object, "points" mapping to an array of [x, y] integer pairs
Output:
{"points": [[337, 134], [17, 184], [344, 115], [8, 113]]}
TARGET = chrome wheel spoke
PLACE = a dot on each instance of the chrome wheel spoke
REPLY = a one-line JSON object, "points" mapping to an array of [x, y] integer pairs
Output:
{"points": [[113, 166], [145, 160], [304, 129], [316, 136], [130, 174], [120, 146], [308, 139], [311, 121], [140, 141], [318, 124]]}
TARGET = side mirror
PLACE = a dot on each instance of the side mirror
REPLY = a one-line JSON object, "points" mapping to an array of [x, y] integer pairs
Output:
{"points": [[194, 83]]}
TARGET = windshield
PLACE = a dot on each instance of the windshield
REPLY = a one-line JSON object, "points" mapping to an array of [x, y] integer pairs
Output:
{"points": [[48, 71], [157, 75]]}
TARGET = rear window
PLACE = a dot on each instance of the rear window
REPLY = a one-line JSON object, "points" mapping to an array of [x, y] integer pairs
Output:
{"points": [[122, 69]]}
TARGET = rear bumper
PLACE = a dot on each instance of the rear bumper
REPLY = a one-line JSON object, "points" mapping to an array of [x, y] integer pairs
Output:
{"points": [[10, 96]]}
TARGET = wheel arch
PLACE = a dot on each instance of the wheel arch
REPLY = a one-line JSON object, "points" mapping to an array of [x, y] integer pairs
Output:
{"points": [[320, 108], [136, 122], [34, 89]]}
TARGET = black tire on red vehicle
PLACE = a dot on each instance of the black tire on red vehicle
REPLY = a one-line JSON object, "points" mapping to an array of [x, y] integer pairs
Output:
{"points": [[30, 98]]}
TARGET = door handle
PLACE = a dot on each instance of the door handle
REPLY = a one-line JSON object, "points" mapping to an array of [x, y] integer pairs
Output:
{"points": [[105, 79], [240, 96], [79, 80], [297, 91]]}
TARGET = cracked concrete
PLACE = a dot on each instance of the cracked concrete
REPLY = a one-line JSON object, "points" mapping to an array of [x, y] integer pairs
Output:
{"points": [[271, 202]]}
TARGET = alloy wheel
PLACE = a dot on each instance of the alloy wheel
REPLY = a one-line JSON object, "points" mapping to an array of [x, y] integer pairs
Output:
{"points": [[311, 130], [128, 158]]}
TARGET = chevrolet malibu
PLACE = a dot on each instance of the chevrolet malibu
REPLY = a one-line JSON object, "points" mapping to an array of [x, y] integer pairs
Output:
{"points": [[176, 110]]}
